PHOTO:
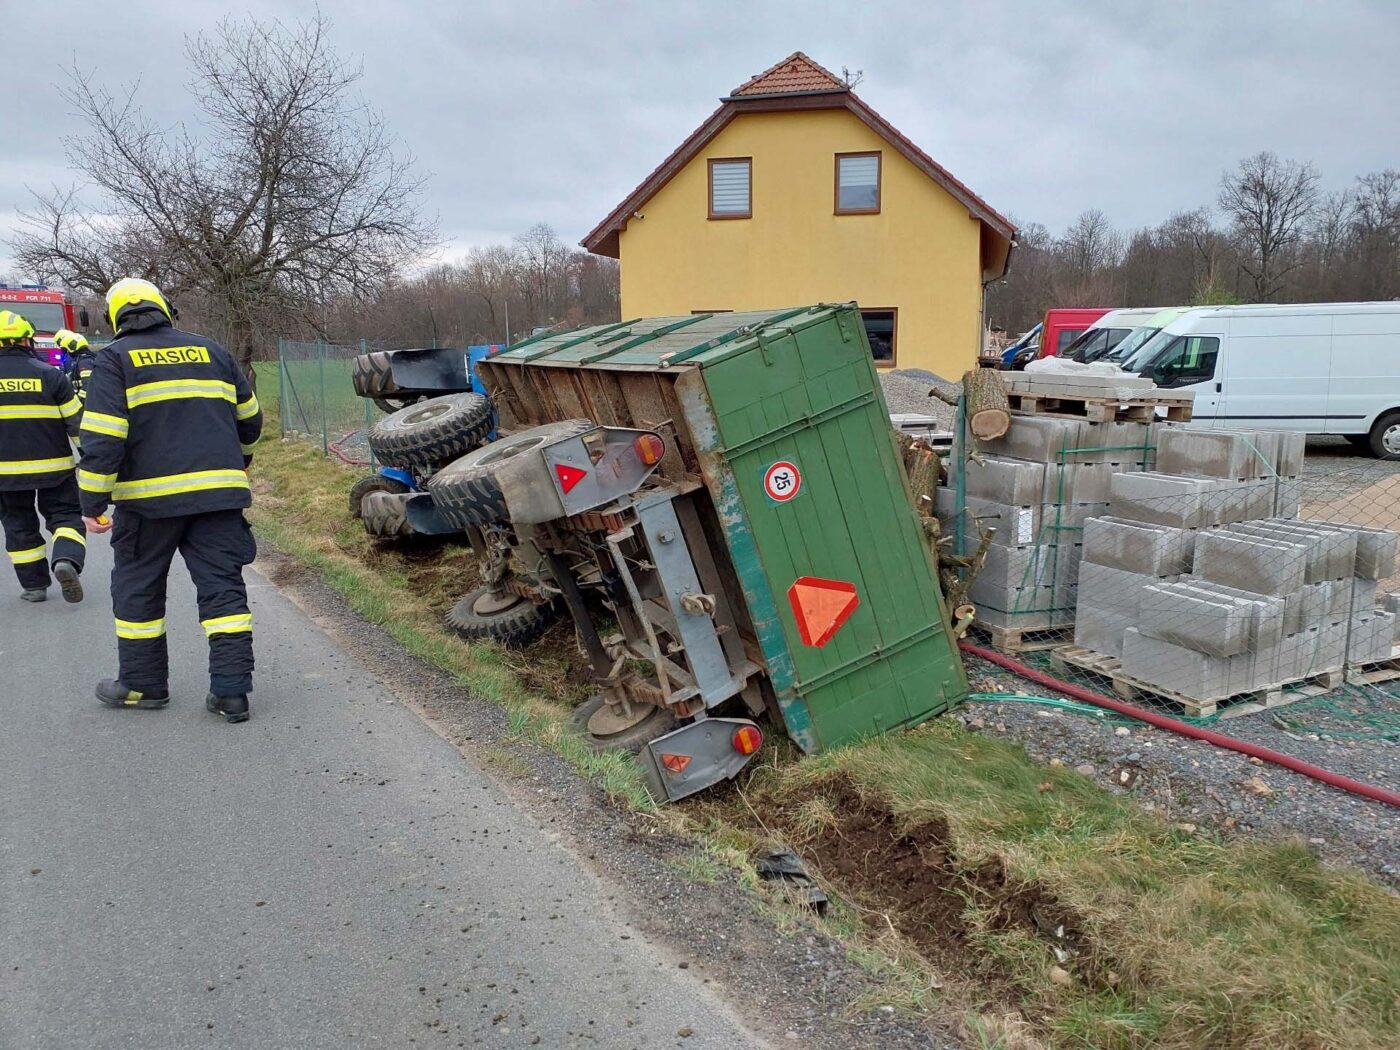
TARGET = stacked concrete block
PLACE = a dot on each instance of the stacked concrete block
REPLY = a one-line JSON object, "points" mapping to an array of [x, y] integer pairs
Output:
{"points": [[1080, 385], [1265, 464]]}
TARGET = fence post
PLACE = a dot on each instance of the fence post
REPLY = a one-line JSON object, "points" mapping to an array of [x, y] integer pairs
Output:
{"points": [[325, 435], [282, 383], [369, 415]]}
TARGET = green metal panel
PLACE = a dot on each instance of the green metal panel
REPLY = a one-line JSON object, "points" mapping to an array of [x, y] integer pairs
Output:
{"points": [[799, 385], [806, 391]]}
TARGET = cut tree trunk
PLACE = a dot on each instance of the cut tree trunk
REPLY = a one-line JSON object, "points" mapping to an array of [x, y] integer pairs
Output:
{"points": [[988, 409]]}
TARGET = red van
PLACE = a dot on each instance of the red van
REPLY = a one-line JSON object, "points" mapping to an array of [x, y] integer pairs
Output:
{"points": [[1063, 325]]}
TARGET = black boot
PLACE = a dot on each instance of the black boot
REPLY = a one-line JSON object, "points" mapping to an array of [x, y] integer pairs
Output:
{"points": [[67, 575], [114, 694], [35, 594], [233, 708]]}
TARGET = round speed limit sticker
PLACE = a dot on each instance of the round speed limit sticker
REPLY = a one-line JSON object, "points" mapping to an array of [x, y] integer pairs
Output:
{"points": [[782, 481]]}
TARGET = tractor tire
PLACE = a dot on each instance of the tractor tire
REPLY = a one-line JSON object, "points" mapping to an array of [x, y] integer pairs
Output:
{"points": [[658, 721], [516, 624], [372, 483], [371, 375], [434, 432], [386, 516], [467, 491]]}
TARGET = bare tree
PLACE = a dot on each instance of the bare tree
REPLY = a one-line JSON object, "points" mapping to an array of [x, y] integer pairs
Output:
{"points": [[1091, 245], [1270, 202], [289, 194]]}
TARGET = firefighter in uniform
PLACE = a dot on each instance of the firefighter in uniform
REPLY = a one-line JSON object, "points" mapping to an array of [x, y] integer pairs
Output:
{"points": [[167, 435], [80, 358], [38, 415]]}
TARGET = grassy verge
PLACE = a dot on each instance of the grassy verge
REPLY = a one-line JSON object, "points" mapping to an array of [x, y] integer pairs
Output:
{"points": [[1037, 907]]}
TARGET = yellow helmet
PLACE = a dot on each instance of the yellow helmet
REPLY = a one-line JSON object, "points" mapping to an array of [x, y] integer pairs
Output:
{"points": [[13, 327], [134, 292], [67, 339]]}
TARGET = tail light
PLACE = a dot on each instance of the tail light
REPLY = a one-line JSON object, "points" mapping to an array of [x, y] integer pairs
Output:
{"points": [[650, 449], [747, 740]]}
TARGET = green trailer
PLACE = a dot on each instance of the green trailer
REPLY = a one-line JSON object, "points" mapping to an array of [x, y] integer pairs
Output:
{"points": [[725, 489]]}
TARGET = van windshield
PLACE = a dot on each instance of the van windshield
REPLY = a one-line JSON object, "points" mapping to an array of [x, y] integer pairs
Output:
{"points": [[1095, 343], [1138, 359], [1130, 344]]}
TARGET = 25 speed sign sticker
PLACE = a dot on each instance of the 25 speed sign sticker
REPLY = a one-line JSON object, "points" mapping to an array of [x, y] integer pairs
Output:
{"points": [[782, 481]]}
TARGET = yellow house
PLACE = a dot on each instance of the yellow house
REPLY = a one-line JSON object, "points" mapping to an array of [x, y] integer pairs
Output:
{"points": [[795, 191]]}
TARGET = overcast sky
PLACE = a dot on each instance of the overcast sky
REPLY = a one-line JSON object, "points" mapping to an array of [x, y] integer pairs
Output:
{"points": [[521, 112]]}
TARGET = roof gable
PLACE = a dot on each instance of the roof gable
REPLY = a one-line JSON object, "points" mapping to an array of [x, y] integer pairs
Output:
{"points": [[795, 83], [796, 74]]}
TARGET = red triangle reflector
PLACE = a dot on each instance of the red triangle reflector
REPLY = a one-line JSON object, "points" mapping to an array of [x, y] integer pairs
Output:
{"points": [[568, 476], [821, 607], [675, 763]]}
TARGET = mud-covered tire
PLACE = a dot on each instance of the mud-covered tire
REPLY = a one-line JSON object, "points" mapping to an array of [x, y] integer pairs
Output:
{"points": [[371, 375], [372, 483], [385, 516], [433, 432], [657, 723], [516, 627], [467, 491]]}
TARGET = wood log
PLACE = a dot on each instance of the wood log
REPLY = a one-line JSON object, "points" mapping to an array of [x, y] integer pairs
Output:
{"points": [[988, 408]]}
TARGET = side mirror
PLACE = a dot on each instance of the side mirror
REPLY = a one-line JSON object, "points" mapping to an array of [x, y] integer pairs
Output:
{"points": [[83, 320]]}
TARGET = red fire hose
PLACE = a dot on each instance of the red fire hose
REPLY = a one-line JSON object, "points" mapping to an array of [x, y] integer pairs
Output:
{"points": [[1244, 747]]}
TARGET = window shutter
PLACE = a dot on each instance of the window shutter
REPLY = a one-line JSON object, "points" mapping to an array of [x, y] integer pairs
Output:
{"points": [[729, 187]]}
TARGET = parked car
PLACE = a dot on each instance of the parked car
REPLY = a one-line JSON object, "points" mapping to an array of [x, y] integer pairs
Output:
{"points": [[1134, 340], [1104, 335], [1024, 347], [1318, 368]]}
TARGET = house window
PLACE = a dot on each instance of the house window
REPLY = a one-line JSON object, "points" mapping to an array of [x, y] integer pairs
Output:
{"points": [[857, 183], [731, 189], [880, 333]]}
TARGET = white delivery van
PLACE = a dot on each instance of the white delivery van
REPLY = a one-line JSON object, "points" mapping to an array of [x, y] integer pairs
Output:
{"points": [[1134, 339], [1318, 368], [1103, 335]]}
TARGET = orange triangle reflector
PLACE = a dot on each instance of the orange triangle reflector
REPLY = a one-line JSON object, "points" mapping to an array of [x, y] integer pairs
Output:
{"points": [[675, 763], [821, 607], [568, 476]]}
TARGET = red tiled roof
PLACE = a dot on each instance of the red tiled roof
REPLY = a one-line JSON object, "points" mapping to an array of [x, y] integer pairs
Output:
{"points": [[794, 83], [795, 74]]}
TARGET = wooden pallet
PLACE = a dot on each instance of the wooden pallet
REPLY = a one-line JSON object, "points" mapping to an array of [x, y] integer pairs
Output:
{"points": [[1375, 673], [1102, 410], [1069, 658], [1023, 639]]}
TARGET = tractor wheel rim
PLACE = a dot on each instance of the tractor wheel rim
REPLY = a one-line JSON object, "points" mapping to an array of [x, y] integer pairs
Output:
{"points": [[490, 604], [609, 721], [424, 415]]}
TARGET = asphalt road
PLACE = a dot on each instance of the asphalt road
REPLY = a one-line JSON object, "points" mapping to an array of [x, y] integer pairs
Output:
{"points": [[331, 874]]}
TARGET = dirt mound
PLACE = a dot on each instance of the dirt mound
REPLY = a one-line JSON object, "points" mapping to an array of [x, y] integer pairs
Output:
{"points": [[913, 876]]}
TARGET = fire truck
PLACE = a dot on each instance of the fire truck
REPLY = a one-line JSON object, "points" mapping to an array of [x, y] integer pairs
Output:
{"points": [[47, 310]]}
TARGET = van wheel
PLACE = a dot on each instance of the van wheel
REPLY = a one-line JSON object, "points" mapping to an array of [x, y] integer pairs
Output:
{"points": [[1385, 437]]}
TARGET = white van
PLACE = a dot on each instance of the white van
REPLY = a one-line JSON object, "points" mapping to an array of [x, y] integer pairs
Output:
{"points": [[1319, 368], [1104, 335]]}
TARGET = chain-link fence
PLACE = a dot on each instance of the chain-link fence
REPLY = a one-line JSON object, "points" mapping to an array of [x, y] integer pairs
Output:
{"points": [[1204, 573], [318, 401]]}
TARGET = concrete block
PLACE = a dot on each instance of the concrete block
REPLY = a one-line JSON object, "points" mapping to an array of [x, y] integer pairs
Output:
{"points": [[1025, 607], [1137, 546], [1288, 497], [1101, 629], [1241, 501], [1178, 669], [1010, 526], [1290, 455], [1080, 385], [1330, 555], [1265, 616], [1210, 453], [1363, 596], [1165, 499], [1220, 628], [1336, 604], [1115, 590], [1119, 442], [1372, 638], [1040, 439], [1034, 565], [1067, 519], [1389, 602], [1081, 482], [1013, 482], [1333, 553], [1250, 565], [1375, 548]]}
